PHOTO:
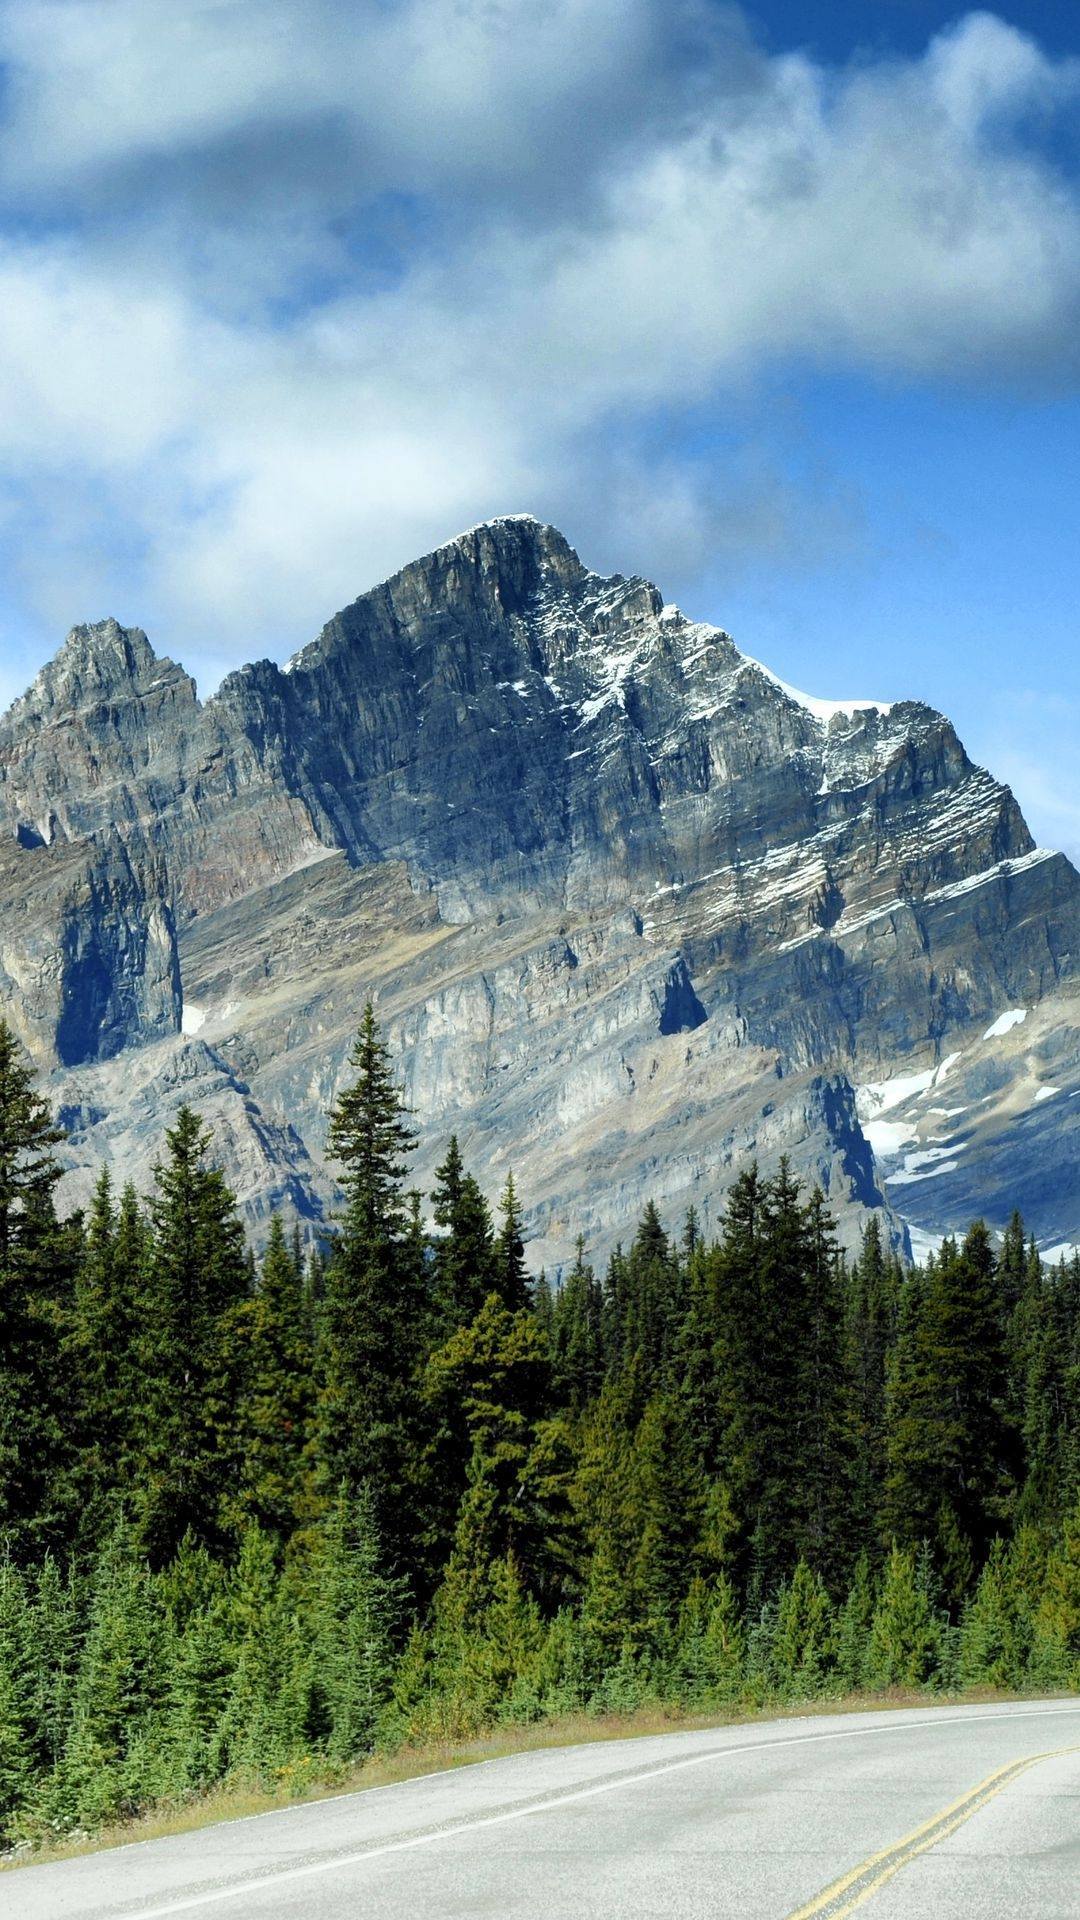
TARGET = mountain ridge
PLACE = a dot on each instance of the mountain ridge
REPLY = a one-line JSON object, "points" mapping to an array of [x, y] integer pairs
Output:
{"points": [[506, 758]]}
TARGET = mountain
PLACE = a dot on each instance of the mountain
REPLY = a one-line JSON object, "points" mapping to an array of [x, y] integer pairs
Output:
{"points": [[631, 910]]}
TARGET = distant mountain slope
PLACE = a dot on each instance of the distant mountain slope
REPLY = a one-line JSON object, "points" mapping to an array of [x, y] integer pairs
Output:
{"points": [[632, 910]]}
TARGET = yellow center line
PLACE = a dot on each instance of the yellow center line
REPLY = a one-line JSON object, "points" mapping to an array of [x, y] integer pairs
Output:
{"points": [[844, 1895]]}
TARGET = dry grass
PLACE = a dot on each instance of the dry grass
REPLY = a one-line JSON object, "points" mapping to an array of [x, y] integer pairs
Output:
{"points": [[239, 1802]]}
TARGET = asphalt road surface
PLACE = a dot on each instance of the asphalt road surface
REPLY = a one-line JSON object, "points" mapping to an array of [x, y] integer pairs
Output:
{"points": [[950, 1813]]}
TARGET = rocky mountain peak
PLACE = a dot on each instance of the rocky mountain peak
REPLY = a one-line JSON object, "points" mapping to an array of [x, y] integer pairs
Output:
{"points": [[97, 661], [634, 911]]}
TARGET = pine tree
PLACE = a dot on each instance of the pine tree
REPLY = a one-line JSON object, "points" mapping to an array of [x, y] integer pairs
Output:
{"points": [[577, 1337], [35, 1258], [873, 1290], [951, 1455], [906, 1630], [803, 1649], [511, 1273], [17, 1726], [666, 1508], [255, 1734], [111, 1759], [1045, 1352], [101, 1360], [826, 1537], [707, 1666], [996, 1628], [359, 1609], [200, 1637], [53, 1635], [374, 1315], [779, 1400], [853, 1629], [727, 1303], [189, 1456], [653, 1298], [1056, 1652], [487, 1388], [277, 1399], [464, 1253]]}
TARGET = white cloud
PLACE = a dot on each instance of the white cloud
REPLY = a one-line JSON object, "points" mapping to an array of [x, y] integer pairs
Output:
{"points": [[265, 421], [413, 95]]}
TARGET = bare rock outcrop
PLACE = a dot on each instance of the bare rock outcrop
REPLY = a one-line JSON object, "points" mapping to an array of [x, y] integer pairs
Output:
{"points": [[632, 911]]}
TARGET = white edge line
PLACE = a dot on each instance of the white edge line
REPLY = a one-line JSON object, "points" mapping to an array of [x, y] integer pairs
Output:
{"points": [[241, 1888]]}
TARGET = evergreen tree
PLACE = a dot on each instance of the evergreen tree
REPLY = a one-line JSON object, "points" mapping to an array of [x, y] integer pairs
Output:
{"points": [[17, 1722], [188, 1460], [873, 1291], [666, 1507], [803, 1646], [374, 1311], [111, 1762], [277, 1403], [827, 1534], [488, 1387], [577, 1337], [728, 1305], [853, 1629], [359, 1609], [101, 1360], [35, 1260], [951, 1456], [464, 1252], [653, 1298], [257, 1735], [906, 1629], [511, 1273]]}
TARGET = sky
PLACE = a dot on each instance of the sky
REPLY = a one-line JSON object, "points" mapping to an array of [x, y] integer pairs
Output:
{"points": [[778, 305]]}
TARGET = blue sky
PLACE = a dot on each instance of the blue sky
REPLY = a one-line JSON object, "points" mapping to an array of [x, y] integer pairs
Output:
{"points": [[778, 305]]}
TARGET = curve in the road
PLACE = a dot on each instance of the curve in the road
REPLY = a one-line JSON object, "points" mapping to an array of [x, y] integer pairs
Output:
{"points": [[740, 1824], [835, 1902]]}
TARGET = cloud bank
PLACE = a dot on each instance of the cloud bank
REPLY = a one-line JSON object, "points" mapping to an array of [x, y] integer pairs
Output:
{"points": [[290, 290]]}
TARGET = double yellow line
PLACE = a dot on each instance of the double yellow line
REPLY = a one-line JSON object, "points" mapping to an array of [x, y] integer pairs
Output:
{"points": [[844, 1895]]}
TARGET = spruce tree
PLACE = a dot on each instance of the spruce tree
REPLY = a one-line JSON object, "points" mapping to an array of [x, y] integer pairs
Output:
{"points": [[729, 1396], [35, 1271], [358, 1613], [17, 1722], [951, 1454], [101, 1361], [464, 1251], [577, 1337], [111, 1764], [666, 1508], [277, 1394], [375, 1310], [511, 1272], [188, 1461], [873, 1289], [488, 1387], [827, 1535], [653, 1290]]}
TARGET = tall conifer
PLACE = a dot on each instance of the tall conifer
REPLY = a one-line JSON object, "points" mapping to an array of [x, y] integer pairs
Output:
{"points": [[35, 1271]]}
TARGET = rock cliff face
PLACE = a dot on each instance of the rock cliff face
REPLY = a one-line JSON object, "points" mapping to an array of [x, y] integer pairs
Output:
{"points": [[631, 910]]}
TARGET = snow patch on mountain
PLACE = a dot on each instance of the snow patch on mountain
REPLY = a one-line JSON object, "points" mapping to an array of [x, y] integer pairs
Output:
{"points": [[823, 710], [1005, 1023], [881, 1096]]}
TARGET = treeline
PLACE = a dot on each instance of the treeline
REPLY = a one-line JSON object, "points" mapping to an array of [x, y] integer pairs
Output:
{"points": [[260, 1520]]}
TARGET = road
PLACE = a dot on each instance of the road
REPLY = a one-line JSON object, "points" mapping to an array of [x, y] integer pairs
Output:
{"points": [[957, 1813]]}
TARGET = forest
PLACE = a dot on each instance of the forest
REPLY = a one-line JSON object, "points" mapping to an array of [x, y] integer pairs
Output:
{"points": [[262, 1518]]}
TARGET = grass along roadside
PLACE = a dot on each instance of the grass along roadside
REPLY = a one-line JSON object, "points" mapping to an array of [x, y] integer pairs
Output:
{"points": [[240, 1800]]}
